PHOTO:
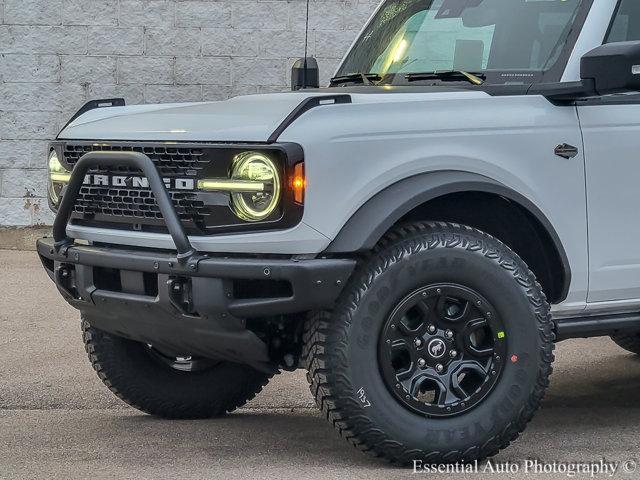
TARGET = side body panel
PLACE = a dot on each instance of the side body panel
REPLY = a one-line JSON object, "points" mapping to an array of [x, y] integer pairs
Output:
{"points": [[353, 151], [611, 130]]}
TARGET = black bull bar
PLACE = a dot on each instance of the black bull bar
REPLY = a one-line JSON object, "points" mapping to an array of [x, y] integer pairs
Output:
{"points": [[183, 302]]}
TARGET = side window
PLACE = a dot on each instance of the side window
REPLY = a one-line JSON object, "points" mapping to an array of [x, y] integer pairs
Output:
{"points": [[626, 23]]}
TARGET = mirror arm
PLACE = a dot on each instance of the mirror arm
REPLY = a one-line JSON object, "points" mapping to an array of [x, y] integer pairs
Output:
{"points": [[564, 91]]}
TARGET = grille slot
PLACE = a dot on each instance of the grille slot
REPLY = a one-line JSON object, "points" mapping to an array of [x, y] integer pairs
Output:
{"points": [[136, 203], [170, 160]]}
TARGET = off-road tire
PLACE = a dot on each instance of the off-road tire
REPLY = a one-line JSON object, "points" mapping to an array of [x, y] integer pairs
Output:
{"points": [[338, 344], [143, 382], [631, 343]]}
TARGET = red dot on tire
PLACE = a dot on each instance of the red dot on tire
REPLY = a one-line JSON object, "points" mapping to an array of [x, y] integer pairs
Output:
{"points": [[514, 358]]}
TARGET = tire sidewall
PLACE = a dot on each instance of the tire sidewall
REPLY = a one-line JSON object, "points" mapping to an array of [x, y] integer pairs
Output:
{"points": [[399, 272]]}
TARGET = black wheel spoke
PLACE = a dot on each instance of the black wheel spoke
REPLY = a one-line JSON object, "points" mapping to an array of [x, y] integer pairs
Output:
{"points": [[399, 333], [450, 396], [399, 343], [405, 375], [415, 319], [481, 352], [478, 338], [403, 345], [404, 330], [446, 395], [411, 380], [452, 309], [462, 372], [475, 323]]}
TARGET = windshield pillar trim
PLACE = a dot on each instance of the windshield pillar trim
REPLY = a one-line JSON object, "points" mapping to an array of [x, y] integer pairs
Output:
{"points": [[591, 36]]}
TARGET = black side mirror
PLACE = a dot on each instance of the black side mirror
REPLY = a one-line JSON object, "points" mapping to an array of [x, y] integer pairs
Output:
{"points": [[613, 67], [305, 74]]}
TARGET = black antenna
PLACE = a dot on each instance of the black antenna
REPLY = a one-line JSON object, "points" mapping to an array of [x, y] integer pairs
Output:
{"points": [[306, 32], [305, 72], [306, 43]]}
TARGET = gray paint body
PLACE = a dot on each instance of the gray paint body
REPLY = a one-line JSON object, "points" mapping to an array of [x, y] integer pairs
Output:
{"points": [[354, 151]]}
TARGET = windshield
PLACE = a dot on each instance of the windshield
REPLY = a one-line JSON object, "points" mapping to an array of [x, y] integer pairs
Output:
{"points": [[508, 41]]}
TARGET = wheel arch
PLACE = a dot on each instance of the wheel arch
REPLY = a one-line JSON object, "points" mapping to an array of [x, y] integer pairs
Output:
{"points": [[414, 198]]}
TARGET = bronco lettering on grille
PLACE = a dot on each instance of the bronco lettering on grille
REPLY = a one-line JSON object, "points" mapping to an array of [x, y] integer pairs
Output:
{"points": [[137, 182]]}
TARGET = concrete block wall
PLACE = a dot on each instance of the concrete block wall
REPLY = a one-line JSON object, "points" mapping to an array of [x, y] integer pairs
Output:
{"points": [[57, 54]]}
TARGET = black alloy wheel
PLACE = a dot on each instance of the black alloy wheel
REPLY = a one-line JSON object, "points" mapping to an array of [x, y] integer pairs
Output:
{"points": [[442, 350]]}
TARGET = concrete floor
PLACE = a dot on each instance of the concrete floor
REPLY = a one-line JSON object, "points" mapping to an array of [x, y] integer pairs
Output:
{"points": [[57, 420]]}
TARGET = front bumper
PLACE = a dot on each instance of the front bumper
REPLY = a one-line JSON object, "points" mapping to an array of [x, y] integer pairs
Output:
{"points": [[182, 302], [198, 308]]}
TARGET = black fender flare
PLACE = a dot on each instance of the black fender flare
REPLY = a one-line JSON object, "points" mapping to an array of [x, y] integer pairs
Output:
{"points": [[373, 219]]}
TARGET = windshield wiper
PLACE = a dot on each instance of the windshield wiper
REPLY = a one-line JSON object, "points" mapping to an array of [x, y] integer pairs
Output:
{"points": [[475, 78], [365, 78]]}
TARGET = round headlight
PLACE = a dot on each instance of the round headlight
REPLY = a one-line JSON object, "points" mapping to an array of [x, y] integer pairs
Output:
{"points": [[256, 204], [58, 177], [54, 163]]}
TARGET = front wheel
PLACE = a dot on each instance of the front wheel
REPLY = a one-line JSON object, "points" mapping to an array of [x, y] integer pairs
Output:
{"points": [[440, 349], [168, 386]]}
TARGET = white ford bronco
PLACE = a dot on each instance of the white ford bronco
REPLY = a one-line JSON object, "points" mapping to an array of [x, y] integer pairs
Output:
{"points": [[418, 235]]}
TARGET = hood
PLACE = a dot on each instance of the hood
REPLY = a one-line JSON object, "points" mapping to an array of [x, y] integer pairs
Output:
{"points": [[250, 118]]}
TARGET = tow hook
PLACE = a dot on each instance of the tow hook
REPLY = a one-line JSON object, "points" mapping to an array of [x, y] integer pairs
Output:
{"points": [[181, 295], [65, 278]]}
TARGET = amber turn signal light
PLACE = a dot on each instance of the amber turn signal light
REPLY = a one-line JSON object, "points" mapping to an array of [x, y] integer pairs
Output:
{"points": [[298, 183]]}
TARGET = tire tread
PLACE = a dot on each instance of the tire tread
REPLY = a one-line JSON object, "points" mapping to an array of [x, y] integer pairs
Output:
{"points": [[328, 332], [115, 375]]}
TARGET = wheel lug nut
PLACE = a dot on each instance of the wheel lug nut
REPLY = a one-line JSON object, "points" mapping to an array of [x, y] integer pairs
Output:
{"points": [[453, 353], [439, 368], [417, 342], [422, 362], [432, 328]]}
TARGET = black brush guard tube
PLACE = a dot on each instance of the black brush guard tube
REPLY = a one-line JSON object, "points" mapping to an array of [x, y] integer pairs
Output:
{"points": [[184, 303], [121, 159]]}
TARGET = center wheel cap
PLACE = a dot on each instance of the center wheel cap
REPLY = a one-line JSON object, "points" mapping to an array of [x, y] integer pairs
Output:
{"points": [[437, 348]]}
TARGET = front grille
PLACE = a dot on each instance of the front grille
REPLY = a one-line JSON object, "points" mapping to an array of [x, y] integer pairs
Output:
{"points": [[170, 160], [137, 204]]}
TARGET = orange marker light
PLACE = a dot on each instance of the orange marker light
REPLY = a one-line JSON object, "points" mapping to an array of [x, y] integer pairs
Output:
{"points": [[298, 183]]}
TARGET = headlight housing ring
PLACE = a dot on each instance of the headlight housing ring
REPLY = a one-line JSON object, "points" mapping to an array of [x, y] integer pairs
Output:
{"points": [[264, 186], [58, 178]]}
